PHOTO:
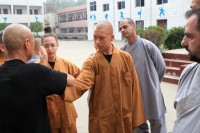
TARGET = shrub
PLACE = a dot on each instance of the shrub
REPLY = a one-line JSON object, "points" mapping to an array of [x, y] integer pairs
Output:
{"points": [[155, 34], [174, 38], [139, 31]]}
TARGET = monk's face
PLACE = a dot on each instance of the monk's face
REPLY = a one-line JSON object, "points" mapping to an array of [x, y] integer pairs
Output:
{"points": [[191, 40], [102, 39], [127, 30], [51, 46]]}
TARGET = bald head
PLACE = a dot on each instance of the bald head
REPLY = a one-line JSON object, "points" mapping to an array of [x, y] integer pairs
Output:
{"points": [[15, 35], [195, 4], [104, 24]]}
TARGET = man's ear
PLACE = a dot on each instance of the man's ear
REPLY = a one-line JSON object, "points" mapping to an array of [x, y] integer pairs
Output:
{"points": [[26, 43], [112, 37], [2, 48]]}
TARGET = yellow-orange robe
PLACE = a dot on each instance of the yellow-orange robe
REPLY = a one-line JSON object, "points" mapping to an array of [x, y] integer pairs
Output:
{"points": [[2, 59], [61, 113], [115, 104]]}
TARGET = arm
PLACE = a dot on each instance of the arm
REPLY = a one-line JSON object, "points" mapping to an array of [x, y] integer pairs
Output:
{"points": [[156, 58], [83, 82], [43, 56]]}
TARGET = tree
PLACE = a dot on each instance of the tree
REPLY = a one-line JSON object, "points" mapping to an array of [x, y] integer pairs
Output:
{"points": [[36, 27], [3, 26]]}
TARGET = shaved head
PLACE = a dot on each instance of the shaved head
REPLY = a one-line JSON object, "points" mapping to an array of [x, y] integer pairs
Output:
{"points": [[195, 4], [14, 36], [104, 24]]}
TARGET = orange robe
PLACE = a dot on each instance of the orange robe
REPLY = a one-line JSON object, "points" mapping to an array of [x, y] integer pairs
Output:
{"points": [[62, 114], [115, 104], [2, 59]]}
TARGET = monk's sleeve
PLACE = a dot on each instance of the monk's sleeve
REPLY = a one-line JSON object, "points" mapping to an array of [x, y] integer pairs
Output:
{"points": [[138, 116], [83, 82]]}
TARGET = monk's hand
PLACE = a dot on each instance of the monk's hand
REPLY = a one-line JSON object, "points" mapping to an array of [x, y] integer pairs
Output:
{"points": [[43, 56]]}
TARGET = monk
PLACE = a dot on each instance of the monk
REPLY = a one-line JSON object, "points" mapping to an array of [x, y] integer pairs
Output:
{"points": [[115, 103], [62, 114]]}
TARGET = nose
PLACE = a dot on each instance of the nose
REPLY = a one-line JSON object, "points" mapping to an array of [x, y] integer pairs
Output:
{"points": [[96, 41], [184, 42]]}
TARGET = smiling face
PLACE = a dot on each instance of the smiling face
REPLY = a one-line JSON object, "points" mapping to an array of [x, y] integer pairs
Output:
{"points": [[191, 40], [51, 46]]}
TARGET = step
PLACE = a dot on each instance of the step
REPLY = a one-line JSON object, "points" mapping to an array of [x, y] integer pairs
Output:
{"points": [[176, 62], [180, 54], [175, 71], [170, 79]]}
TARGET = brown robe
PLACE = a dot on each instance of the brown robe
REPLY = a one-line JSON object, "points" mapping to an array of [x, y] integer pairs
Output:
{"points": [[115, 104], [62, 114]]}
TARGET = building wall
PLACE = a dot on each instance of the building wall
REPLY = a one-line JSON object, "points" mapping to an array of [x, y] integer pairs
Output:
{"points": [[25, 5], [72, 22], [173, 12]]}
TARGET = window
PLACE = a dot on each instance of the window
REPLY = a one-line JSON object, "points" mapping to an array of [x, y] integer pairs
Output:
{"points": [[36, 11], [162, 23], [63, 30], [30, 11], [71, 30], [86, 29], [93, 6], [105, 7], [162, 1], [139, 24], [19, 11], [5, 11], [121, 5], [79, 29], [139, 3], [62, 18]]}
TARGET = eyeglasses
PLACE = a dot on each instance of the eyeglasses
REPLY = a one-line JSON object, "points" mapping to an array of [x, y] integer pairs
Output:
{"points": [[51, 45]]}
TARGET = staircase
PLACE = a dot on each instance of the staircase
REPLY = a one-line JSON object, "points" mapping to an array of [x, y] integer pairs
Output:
{"points": [[176, 60]]}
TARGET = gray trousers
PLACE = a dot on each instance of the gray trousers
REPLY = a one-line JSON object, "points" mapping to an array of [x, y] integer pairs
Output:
{"points": [[156, 126]]}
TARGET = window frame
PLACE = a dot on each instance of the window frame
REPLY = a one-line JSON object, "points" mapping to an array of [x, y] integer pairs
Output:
{"points": [[139, 3], [93, 6], [139, 22], [121, 5], [106, 7], [159, 2], [161, 22]]}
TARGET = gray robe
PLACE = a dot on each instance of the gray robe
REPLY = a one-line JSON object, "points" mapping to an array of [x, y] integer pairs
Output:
{"points": [[150, 67], [187, 101]]}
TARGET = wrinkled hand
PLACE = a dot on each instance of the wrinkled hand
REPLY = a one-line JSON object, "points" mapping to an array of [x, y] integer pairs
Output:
{"points": [[70, 80], [43, 56]]}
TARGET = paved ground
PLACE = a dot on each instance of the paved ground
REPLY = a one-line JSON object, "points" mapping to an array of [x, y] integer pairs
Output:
{"points": [[77, 52]]}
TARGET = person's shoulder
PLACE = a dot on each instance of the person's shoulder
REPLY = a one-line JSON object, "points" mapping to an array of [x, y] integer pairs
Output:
{"points": [[148, 43], [125, 54], [191, 66]]}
